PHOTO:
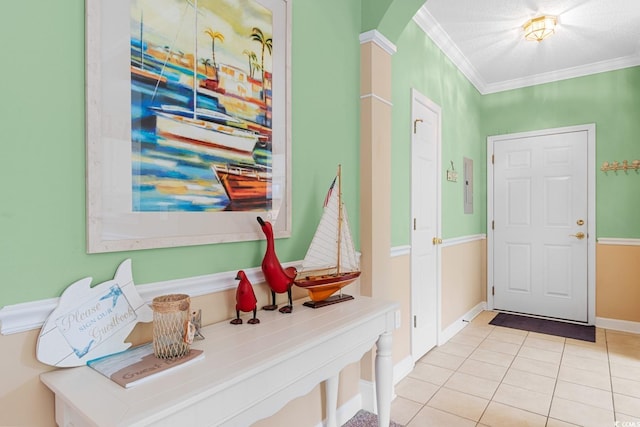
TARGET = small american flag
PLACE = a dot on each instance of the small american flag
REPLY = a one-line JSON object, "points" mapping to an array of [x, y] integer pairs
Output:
{"points": [[326, 199]]}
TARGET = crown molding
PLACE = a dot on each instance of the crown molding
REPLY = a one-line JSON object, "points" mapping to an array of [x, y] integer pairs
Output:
{"points": [[565, 74], [432, 28], [378, 38], [434, 31]]}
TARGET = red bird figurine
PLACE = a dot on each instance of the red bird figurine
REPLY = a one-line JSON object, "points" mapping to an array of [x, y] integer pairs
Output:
{"points": [[278, 278], [245, 300]]}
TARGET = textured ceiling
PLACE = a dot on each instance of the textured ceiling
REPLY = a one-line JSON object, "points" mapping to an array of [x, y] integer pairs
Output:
{"points": [[484, 38]]}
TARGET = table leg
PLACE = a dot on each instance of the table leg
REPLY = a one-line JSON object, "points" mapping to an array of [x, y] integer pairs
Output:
{"points": [[331, 390], [384, 379]]}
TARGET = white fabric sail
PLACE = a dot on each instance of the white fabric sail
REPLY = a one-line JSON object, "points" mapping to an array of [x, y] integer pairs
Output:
{"points": [[323, 251]]}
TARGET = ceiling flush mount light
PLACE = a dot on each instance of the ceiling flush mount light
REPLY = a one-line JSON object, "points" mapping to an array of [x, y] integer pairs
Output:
{"points": [[538, 29]]}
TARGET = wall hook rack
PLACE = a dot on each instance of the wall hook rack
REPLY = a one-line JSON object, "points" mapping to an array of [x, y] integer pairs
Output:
{"points": [[624, 166]]}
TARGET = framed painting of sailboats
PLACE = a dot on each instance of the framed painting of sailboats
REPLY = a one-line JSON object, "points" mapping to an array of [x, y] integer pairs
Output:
{"points": [[188, 121]]}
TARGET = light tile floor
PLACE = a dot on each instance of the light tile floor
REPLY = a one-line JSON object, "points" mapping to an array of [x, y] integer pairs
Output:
{"points": [[493, 376]]}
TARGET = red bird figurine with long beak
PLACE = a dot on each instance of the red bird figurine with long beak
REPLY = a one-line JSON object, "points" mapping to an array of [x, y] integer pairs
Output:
{"points": [[245, 300], [278, 278]]}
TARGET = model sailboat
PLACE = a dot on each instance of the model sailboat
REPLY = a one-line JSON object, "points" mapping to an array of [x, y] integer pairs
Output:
{"points": [[331, 262]]}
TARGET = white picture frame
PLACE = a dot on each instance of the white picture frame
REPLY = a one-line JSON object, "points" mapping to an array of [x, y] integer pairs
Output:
{"points": [[117, 220]]}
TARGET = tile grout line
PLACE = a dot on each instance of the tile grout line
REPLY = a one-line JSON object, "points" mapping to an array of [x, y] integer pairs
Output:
{"points": [[555, 384], [486, 338], [503, 376], [606, 346]]}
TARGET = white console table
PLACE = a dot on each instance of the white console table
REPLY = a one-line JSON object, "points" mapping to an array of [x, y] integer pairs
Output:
{"points": [[249, 371]]}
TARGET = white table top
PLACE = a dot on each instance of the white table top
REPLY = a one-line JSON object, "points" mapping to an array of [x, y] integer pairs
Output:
{"points": [[249, 371]]}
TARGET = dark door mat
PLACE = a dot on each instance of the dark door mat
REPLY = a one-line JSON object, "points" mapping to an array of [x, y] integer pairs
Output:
{"points": [[544, 326]]}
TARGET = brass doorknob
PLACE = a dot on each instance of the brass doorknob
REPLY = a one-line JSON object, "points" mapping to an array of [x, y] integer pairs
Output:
{"points": [[579, 235]]}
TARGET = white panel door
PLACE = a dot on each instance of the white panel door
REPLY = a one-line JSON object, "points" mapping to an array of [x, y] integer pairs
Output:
{"points": [[425, 208], [540, 225]]}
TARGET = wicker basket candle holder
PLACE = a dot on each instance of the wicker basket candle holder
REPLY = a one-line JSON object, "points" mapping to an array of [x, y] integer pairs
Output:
{"points": [[172, 329]]}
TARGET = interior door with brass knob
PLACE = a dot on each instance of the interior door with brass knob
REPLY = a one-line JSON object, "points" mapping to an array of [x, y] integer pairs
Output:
{"points": [[540, 250]]}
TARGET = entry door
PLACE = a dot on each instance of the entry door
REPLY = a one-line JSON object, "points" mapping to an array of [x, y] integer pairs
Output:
{"points": [[425, 226], [540, 225]]}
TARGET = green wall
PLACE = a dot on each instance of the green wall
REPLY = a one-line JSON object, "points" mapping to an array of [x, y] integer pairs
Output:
{"points": [[420, 64], [611, 101], [42, 213]]}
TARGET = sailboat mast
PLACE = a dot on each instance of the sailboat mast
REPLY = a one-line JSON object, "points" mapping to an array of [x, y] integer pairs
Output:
{"points": [[339, 216], [195, 57], [141, 40]]}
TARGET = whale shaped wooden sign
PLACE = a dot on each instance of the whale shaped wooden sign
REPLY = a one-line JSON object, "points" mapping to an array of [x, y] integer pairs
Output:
{"points": [[92, 322]]}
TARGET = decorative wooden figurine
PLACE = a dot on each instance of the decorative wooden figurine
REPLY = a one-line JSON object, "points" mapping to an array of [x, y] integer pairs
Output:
{"points": [[245, 300], [278, 278], [196, 321]]}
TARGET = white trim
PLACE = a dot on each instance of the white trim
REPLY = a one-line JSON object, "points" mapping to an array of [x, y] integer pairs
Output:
{"points": [[618, 241], [618, 325], [32, 315], [402, 369], [26, 316], [400, 250], [460, 323], [378, 38], [346, 411], [434, 31], [368, 395], [368, 388], [406, 249], [591, 207], [564, 74], [463, 239], [374, 96]]}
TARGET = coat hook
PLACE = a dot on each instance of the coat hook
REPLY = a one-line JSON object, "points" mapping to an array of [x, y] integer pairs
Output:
{"points": [[415, 124]]}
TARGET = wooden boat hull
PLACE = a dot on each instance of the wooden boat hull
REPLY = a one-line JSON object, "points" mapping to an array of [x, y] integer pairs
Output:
{"points": [[245, 185], [321, 287]]}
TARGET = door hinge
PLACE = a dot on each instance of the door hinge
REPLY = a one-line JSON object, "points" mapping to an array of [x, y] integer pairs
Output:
{"points": [[493, 290], [493, 225], [415, 321], [414, 224], [493, 159]]}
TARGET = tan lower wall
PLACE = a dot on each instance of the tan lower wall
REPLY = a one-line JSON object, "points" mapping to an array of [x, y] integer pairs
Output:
{"points": [[618, 282], [401, 293], [24, 401], [464, 279]]}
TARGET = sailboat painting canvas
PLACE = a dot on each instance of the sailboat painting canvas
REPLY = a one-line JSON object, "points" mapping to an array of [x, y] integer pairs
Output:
{"points": [[208, 139], [201, 105]]}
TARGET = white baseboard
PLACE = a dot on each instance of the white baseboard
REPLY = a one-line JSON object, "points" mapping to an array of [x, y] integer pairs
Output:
{"points": [[618, 325], [460, 323], [346, 411], [402, 369], [368, 388], [368, 393]]}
